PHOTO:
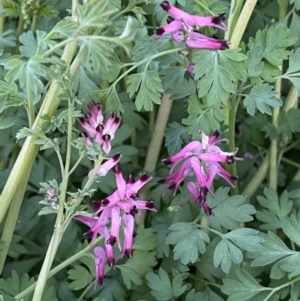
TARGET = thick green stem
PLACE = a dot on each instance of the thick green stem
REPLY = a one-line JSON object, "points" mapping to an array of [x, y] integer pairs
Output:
{"points": [[1, 17], [273, 174], [155, 144], [59, 227], [30, 104], [234, 12], [12, 218], [29, 149]]}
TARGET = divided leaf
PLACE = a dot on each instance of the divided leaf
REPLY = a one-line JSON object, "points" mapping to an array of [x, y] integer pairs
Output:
{"points": [[189, 241], [175, 136]]}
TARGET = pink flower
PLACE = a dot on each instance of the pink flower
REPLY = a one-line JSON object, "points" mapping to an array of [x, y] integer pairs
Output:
{"points": [[116, 211], [96, 130], [100, 265], [181, 26], [202, 160]]}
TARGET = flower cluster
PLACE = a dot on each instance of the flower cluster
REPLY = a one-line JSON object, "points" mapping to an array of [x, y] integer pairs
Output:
{"points": [[116, 211], [202, 160], [181, 26], [96, 130]]}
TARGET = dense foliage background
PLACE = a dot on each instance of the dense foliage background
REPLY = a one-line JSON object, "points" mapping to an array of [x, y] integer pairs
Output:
{"points": [[56, 57]]}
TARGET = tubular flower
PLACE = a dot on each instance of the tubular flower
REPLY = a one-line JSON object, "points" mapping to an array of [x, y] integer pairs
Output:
{"points": [[181, 26], [116, 211], [96, 130], [202, 160], [99, 265]]}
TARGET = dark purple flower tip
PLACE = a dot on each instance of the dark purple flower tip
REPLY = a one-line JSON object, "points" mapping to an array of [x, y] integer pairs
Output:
{"points": [[116, 157], [202, 195], [230, 159], [234, 178], [165, 5], [162, 181], [171, 186], [134, 196], [112, 240], [216, 134], [82, 120], [167, 161], [84, 135], [130, 179], [224, 44], [101, 280], [160, 31], [207, 210], [99, 128], [117, 169], [144, 177], [150, 205], [134, 234], [117, 120], [170, 19], [91, 104], [111, 262], [113, 115], [218, 19], [104, 202], [133, 211], [97, 205], [106, 137], [88, 235], [128, 253], [87, 116]]}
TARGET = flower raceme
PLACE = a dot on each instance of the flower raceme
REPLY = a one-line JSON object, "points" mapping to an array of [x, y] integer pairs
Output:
{"points": [[96, 130], [202, 160], [115, 212], [181, 26]]}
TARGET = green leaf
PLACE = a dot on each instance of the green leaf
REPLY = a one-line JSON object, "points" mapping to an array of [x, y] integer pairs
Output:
{"points": [[81, 277], [149, 85], [225, 253], [6, 122], [146, 240], [134, 269], [289, 123], [261, 97], [253, 62], [291, 228], [202, 117], [274, 42], [246, 239], [273, 249], [15, 285], [162, 288], [65, 27], [175, 137], [243, 288], [216, 71], [160, 285], [110, 97], [29, 44], [112, 290], [228, 211], [189, 240], [274, 209]]}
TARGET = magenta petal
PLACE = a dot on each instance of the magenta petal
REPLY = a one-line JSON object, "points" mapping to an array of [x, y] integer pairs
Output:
{"points": [[89, 221], [193, 189], [100, 265], [115, 225]]}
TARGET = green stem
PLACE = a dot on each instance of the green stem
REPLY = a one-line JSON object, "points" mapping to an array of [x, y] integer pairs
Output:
{"points": [[29, 149], [2, 21], [273, 174], [234, 13], [280, 287], [82, 155], [12, 218], [155, 144], [59, 228], [241, 23], [58, 268], [292, 163], [30, 109]]}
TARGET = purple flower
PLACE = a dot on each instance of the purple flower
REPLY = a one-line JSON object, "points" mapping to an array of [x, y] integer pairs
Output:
{"points": [[100, 265], [181, 26], [202, 160], [116, 211], [96, 130]]}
